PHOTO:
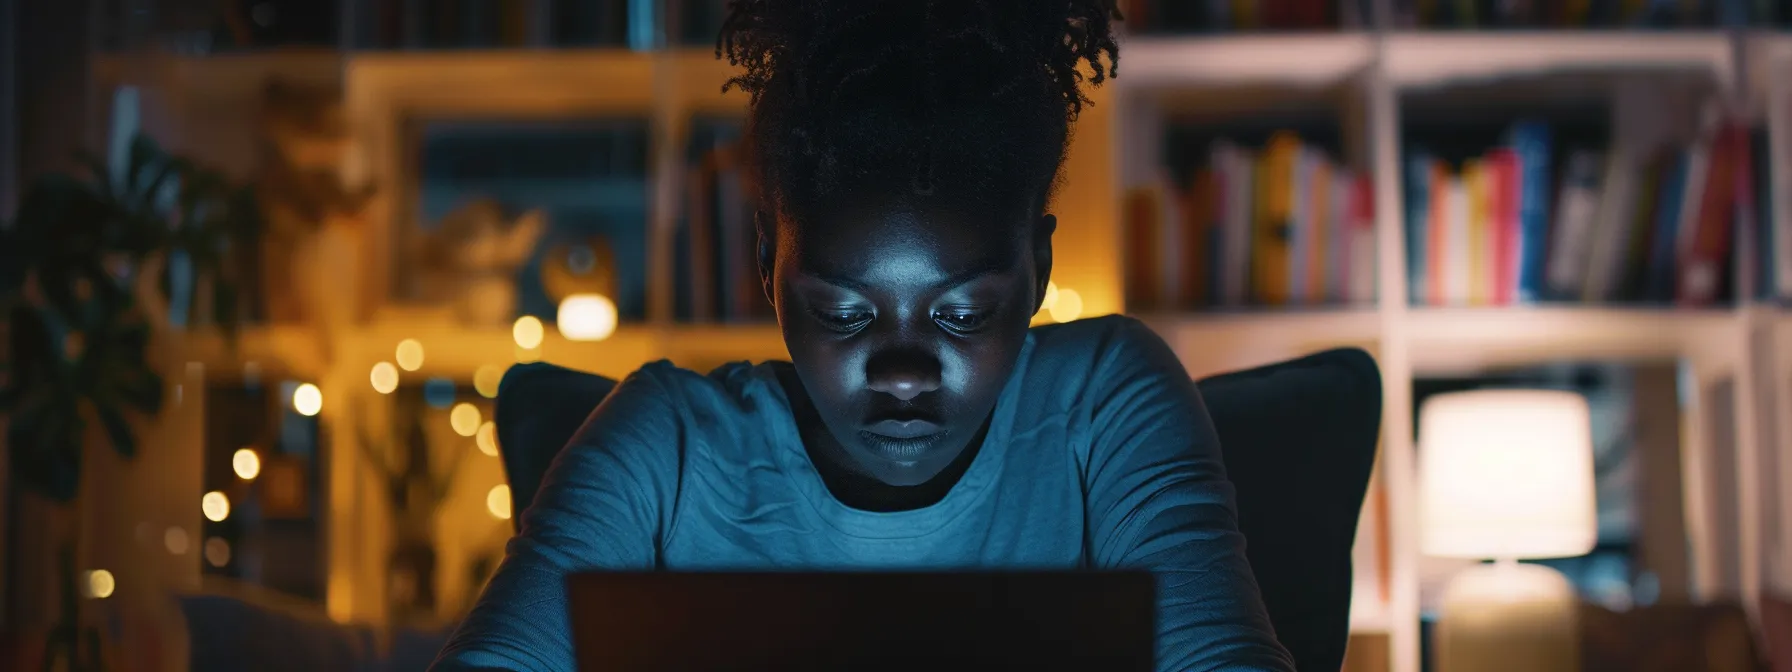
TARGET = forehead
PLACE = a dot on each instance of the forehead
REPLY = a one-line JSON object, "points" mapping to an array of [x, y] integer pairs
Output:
{"points": [[901, 244]]}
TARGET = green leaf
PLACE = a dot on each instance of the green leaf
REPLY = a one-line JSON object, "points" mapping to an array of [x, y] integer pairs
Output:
{"points": [[118, 428]]}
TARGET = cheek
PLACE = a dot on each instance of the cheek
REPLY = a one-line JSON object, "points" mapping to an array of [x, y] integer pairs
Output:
{"points": [[977, 370]]}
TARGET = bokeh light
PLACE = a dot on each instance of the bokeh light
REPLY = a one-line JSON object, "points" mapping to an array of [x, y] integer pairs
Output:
{"points": [[246, 464], [586, 317], [175, 539], [307, 400], [409, 354], [486, 379], [215, 506], [1068, 306], [498, 501], [100, 584], [465, 419], [528, 332], [384, 378], [487, 438], [217, 551]]}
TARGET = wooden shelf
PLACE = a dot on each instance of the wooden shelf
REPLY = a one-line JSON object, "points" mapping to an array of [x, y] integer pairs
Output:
{"points": [[277, 350], [1292, 60], [455, 350], [1220, 342], [1429, 59], [1457, 339]]}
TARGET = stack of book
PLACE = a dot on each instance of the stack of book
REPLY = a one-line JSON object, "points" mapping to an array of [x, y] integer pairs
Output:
{"points": [[1580, 14], [717, 274], [1277, 226], [1216, 16], [1530, 221]]}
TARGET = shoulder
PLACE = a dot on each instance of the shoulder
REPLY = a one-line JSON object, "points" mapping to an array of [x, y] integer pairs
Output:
{"points": [[1097, 349]]}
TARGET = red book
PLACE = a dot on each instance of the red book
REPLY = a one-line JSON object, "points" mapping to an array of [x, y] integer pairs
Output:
{"points": [[1702, 265], [1503, 171]]}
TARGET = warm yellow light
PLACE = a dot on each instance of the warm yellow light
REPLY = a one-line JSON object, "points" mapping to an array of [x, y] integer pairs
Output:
{"points": [[100, 584], [586, 317], [246, 464], [498, 501], [464, 418], [528, 332], [175, 538], [215, 506], [1066, 306], [410, 354], [1051, 296], [487, 438], [307, 400], [527, 355], [486, 379], [384, 378], [217, 551]]}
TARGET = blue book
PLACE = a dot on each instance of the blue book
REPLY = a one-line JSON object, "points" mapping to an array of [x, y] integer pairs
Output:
{"points": [[1418, 218], [1531, 140], [1659, 282]]}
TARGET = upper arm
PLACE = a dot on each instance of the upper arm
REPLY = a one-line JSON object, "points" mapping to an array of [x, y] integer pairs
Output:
{"points": [[1158, 499], [600, 506]]}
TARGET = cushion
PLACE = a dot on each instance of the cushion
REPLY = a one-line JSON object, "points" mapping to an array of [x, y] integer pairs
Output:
{"points": [[239, 628], [540, 407], [1299, 443], [1298, 439]]}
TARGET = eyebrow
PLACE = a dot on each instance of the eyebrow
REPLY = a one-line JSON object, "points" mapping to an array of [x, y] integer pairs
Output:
{"points": [[987, 267]]}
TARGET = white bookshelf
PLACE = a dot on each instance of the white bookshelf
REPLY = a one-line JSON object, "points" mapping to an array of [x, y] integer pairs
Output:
{"points": [[1385, 67]]}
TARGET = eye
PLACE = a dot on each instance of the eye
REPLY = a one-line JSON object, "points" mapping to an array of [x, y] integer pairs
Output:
{"points": [[843, 320], [962, 320]]}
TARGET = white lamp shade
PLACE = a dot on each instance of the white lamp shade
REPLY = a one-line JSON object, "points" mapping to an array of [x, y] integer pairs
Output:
{"points": [[586, 317], [1506, 474]]}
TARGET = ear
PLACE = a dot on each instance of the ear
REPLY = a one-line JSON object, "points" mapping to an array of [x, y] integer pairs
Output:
{"points": [[1042, 257], [766, 253]]}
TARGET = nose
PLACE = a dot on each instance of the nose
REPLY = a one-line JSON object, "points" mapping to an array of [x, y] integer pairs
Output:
{"points": [[904, 374]]}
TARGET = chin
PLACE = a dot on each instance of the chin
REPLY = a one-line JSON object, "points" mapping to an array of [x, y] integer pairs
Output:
{"points": [[908, 461]]}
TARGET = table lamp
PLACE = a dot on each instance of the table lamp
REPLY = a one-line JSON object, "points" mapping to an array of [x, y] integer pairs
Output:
{"points": [[1506, 475]]}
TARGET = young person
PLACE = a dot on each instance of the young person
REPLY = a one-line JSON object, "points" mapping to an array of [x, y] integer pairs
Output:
{"points": [[907, 152]]}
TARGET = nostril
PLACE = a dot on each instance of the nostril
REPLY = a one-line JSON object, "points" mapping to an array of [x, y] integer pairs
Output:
{"points": [[903, 376]]}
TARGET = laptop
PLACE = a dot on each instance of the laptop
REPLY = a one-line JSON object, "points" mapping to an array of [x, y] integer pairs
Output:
{"points": [[811, 621]]}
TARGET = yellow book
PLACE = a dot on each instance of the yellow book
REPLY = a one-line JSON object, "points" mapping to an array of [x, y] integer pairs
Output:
{"points": [[1480, 286], [1270, 226], [1319, 221]]}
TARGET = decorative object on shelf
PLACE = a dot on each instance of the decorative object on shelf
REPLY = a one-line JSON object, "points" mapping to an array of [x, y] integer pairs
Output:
{"points": [[415, 487], [586, 267], [316, 206], [1507, 475], [470, 260]]}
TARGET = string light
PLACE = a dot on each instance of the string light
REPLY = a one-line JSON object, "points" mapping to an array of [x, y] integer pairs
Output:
{"points": [[487, 439], [307, 400], [217, 551], [1068, 306], [246, 463], [100, 584], [409, 354], [465, 419], [498, 501], [528, 332], [215, 506], [486, 379], [384, 378]]}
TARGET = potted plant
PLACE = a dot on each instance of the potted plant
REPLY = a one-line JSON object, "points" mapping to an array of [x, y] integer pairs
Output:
{"points": [[88, 268]]}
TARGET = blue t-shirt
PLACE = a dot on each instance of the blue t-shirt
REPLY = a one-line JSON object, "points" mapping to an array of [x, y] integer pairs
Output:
{"points": [[1099, 455]]}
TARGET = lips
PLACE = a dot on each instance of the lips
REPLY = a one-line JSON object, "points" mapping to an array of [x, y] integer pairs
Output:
{"points": [[905, 429]]}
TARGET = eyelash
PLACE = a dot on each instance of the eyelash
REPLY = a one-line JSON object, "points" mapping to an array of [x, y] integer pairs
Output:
{"points": [[846, 322]]}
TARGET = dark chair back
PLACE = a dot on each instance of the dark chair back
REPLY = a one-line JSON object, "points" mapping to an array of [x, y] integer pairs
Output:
{"points": [[1299, 443]]}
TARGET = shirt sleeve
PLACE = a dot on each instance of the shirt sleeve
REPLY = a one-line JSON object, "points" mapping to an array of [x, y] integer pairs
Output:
{"points": [[600, 506], [1158, 499]]}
